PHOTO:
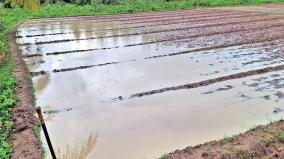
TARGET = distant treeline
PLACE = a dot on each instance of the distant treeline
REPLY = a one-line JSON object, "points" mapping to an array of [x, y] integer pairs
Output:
{"points": [[107, 2], [34, 4], [82, 2]]}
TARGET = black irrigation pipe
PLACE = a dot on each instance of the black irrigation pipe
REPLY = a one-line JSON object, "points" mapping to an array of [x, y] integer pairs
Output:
{"points": [[41, 119]]}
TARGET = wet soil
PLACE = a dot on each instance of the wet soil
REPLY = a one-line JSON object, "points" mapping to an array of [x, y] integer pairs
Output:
{"points": [[193, 32], [2, 56], [211, 81], [153, 82], [260, 142], [129, 17], [168, 22], [23, 140], [267, 8]]}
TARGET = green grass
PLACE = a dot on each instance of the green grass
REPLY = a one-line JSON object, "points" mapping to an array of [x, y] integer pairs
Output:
{"points": [[279, 135], [7, 100], [243, 154], [264, 140], [10, 17]]}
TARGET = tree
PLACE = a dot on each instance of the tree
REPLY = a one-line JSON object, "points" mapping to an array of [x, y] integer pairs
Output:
{"points": [[27, 4]]}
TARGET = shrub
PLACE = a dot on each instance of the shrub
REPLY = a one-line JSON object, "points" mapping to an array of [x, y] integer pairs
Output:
{"points": [[27, 4], [1, 26]]}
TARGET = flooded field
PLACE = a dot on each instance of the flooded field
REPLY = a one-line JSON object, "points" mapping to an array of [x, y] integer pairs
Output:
{"points": [[136, 86]]}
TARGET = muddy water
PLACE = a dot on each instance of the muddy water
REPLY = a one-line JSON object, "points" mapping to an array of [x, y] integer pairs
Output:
{"points": [[89, 114], [148, 127]]}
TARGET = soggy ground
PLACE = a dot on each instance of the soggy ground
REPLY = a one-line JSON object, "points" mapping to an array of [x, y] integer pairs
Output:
{"points": [[136, 86]]}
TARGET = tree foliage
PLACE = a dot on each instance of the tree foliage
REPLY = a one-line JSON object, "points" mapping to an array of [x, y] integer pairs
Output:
{"points": [[27, 4]]}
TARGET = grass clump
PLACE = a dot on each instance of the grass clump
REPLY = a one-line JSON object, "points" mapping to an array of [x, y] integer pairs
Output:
{"points": [[279, 135], [8, 83], [230, 138], [243, 154], [165, 156], [7, 100], [264, 140]]}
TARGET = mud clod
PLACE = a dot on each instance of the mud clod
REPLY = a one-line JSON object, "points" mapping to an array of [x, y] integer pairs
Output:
{"points": [[277, 110], [212, 81], [42, 72]]}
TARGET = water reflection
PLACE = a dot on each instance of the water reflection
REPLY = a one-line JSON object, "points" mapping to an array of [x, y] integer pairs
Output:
{"points": [[41, 82], [79, 151], [148, 127]]}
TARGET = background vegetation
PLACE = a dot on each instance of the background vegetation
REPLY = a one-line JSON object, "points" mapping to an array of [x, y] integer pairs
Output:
{"points": [[13, 11]]}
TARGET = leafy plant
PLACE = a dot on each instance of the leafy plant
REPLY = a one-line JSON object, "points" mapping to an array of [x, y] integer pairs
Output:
{"points": [[27, 4], [279, 135], [7, 88], [264, 140]]}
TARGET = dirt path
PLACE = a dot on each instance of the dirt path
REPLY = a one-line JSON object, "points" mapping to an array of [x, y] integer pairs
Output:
{"points": [[2, 56], [24, 142]]}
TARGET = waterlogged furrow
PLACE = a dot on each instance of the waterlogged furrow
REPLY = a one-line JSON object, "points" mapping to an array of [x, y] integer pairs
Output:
{"points": [[104, 48], [215, 19], [113, 26], [134, 21], [88, 20], [137, 53], [53, 28], [202, 31], [208, 64], [211, 81], [233, 38], [238, 67], [131, 18]]}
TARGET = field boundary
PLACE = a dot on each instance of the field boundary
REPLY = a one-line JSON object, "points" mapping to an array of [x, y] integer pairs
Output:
{"points": [[23, 140]]}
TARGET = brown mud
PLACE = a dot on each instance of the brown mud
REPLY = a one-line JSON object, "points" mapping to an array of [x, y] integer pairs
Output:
{"points": [[104, 48], [2, 56], [138, 17], [168, 22], [242, 35], [42, 72], [23, 140], [260, 142], [207, 31], [31, 55], [211, 81], [233, 21], [217, 52], [146, 21], [157, 22], [250, 40]]}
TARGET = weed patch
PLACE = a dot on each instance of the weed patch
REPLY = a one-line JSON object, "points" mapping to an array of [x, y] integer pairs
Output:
{"points": [[7, 100], [279, 135]]}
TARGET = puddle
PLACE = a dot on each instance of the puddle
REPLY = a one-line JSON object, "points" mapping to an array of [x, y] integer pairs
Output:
{"points": [[158, 123], [84, 86]]}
